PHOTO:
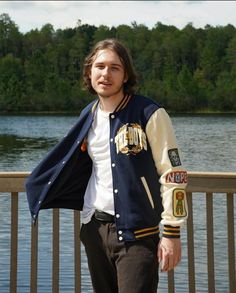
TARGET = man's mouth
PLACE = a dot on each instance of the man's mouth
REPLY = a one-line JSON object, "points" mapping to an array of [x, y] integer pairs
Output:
{"points": [[105, 83]]}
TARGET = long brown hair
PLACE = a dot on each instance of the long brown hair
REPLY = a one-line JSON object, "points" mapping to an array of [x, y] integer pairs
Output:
{"points": [[126, 60]]}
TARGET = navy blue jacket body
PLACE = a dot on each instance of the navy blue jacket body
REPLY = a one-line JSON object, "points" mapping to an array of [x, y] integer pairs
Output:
{"points": [[61, 178]]}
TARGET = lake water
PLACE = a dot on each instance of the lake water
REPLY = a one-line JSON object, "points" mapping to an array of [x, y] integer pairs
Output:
{"points": [[207, 143]]}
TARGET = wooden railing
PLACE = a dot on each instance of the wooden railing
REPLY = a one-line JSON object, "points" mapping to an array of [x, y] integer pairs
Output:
{"points": [[207, 183]]}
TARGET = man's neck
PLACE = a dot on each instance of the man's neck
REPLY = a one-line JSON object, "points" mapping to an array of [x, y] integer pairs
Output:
{"points": [[109, 104]]}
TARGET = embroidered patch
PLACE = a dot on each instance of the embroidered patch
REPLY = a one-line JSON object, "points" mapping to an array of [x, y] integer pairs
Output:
{"points": [[179, 199], [84, 146], [174, 157], [130, 139], [176, 177]]}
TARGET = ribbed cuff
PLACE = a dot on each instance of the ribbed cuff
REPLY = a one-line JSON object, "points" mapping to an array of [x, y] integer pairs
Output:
{"points": [[171, 232]]}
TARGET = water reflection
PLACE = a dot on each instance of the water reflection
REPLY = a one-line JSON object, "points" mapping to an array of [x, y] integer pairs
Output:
{"points": [[13, 144], [17, 153]]}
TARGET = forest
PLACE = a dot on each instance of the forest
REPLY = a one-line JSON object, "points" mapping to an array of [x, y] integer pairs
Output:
{"points": [[189, 70]]}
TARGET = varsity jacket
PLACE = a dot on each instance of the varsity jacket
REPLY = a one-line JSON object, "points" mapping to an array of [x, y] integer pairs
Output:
{"points": [[148, 178]]}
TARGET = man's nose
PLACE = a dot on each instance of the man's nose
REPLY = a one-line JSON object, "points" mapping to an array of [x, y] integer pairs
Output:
{"points": [[106, 71]]}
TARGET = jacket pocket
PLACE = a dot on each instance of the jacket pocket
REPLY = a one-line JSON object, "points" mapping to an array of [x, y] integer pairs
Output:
{"points": [[145, 185]]}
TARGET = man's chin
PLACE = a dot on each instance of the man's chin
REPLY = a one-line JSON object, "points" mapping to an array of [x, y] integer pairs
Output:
{"points": [[105, 94], [109, 94]]}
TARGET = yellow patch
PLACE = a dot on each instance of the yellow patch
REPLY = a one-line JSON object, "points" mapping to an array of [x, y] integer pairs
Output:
{"points": [[179, 203], [130, 139]]}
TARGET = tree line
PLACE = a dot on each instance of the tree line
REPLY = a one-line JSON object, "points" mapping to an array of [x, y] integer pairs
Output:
{"points": [[185, 70]]}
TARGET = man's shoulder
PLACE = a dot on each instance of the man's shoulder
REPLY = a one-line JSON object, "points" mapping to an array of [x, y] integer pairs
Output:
{"points": [[89, 108], [147, 105], [146, 101]]}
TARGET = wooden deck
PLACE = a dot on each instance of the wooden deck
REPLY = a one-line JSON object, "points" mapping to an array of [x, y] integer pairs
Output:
{"points": [[207, 183]]}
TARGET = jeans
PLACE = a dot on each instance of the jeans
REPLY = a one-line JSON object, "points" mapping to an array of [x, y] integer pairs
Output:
{"points": [[118, 267]]}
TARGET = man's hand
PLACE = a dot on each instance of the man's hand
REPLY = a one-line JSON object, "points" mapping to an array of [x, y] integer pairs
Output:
{"points": [[169, 253]]}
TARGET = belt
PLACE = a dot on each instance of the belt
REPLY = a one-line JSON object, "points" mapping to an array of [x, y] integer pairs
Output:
{"points": [[104, 217]]}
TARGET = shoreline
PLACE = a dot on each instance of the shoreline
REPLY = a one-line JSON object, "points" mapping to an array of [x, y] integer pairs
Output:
{"points": [[72, 113]]}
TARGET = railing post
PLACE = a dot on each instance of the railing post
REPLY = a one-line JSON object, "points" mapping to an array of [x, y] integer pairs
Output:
{"points": [[171, 282], [14, 241], [210, 243], [34, 258], [190, 238], [55, 251], [77, 252], [231, 242]]}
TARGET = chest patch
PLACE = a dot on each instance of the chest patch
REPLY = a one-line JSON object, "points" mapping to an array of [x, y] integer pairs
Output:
{"points": [[130, 139]]}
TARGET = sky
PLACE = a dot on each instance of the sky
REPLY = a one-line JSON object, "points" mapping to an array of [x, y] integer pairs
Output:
{"points": [[29, 15]]}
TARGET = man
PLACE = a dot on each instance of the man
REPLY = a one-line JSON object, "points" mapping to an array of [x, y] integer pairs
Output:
{"points": [[120, 165]]}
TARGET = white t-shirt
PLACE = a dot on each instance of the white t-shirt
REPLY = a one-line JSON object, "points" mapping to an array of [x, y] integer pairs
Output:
{"points": [[99, 192]]}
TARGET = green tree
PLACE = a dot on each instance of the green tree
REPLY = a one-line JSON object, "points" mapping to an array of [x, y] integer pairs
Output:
{"points": [[10, 37], [11, 84], [188, 95], [231, 53], [56, 94], [224, 98], [185, 69], [125, 34], [103, 32]]}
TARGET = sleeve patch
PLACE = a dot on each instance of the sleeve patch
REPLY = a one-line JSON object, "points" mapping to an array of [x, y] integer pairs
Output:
{"points": [[179, 207], [174, 157], [176, 177]]}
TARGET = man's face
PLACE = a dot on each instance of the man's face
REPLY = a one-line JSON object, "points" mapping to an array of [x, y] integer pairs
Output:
{"points": [[107, 74]]}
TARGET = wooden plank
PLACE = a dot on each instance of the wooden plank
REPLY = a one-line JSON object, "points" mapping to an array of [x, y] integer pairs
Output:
{"points": [[13, 181], [14, 174], [14, 242], [210, 243], [34, 258], [12, 184], [211, 182], [190, 241], [77, 249], [198, 181], [171, 282], [56, 251], [231, 242]]}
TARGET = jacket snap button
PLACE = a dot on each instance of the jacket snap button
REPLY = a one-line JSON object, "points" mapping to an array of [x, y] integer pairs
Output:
{"points": [[116, 190], [120, 232], [117, 216], [49, 182], [112, 116], [113, 164], [120, 238]]}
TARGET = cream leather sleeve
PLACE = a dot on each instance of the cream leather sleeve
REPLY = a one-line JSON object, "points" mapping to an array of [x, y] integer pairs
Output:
{"points": [[173, 177]]}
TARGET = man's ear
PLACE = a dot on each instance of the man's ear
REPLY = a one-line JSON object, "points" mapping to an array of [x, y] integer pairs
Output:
{"points": [[126, 78], [89, 70]]}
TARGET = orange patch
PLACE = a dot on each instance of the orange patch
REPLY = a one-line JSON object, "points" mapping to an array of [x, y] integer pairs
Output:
{"points": [[179, 203]]}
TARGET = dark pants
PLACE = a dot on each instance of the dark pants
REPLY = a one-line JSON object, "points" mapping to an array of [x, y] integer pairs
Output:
{"points": [[119, 267]]}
